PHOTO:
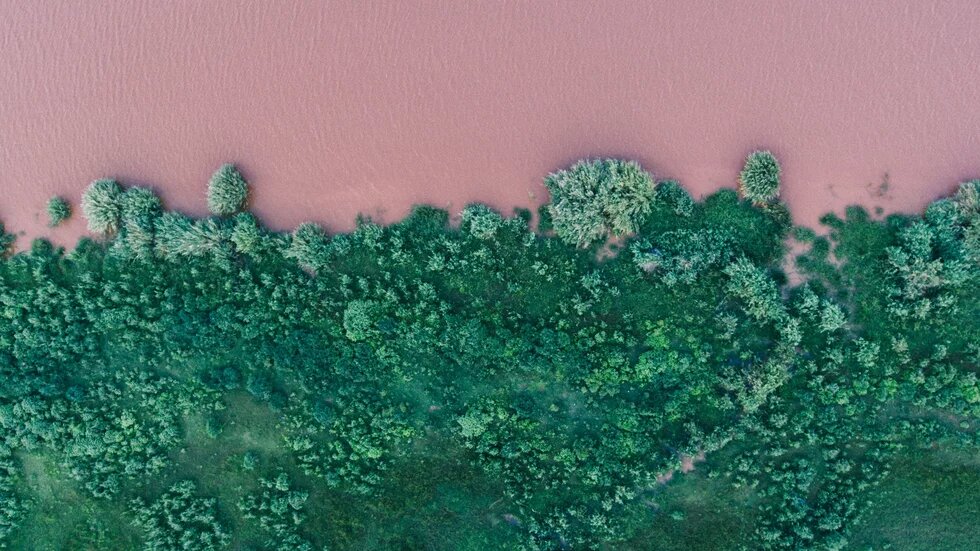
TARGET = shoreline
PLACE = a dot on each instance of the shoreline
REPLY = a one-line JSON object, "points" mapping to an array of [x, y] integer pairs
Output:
{"points": [[277, 213]]}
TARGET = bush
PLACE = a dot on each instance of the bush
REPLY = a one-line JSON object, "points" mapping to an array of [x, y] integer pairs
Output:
{"points": [[308, 246], [759, 179], [593, 199], [58, 211], [140, 205], [178, 235], [101, 206], [481, 221], [227, 191], [676, 197]]}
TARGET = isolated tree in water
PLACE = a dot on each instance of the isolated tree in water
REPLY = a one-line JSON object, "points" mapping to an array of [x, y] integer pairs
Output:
{"points": [[594, 199], [227, 191], [759, 180], [58, 211]]}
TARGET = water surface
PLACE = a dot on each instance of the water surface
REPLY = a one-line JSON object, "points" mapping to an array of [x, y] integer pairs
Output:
{"points": [[336, 108]]}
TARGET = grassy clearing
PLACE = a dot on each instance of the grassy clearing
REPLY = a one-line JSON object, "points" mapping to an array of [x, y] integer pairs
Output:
{"points": [[693, 512], [62, 518], [931, 501]]}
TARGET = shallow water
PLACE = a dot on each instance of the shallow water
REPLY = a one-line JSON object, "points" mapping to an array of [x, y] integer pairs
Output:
{"points": [[337, 108]]}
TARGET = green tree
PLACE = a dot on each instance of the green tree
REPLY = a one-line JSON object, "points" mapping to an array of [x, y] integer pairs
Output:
{"points": [[6, 242], [481, 221], [759, 293], [58, 211], [227, 191], [102, 206], [179, 520], [140, 210], [759, 179], [594, 199], [308, 246]]}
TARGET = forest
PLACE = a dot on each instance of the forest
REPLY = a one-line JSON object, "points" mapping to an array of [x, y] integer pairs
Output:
{"points": [[628, 368]]}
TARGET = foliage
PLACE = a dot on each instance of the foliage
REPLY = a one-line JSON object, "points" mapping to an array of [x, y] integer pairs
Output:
{"points": [[425, 386], [278, 510], [594, 199], [58, 211], [179, 520], [481, 221], [759, 178], [101, 206], [227, 191], [6, 241]]}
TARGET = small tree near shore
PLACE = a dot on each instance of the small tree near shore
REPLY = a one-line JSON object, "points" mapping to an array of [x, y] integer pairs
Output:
{"points": [[759, 180], [227, 191]]}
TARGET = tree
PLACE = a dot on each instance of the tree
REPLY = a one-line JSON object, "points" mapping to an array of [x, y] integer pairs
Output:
{"points": [[593, 199], [672, 194], [756, 289], [481, 221], [227, 191], [309, 246], [246, 234], [140, 205], [101, 206], [759, 179], [178, 235], [279, 511], [967, 200], [359, 319], [58, 211], [140, 209]]}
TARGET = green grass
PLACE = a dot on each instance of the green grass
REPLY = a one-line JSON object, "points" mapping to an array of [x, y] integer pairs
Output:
{"points": [[63, 518], [930, 502], [715, 516]]}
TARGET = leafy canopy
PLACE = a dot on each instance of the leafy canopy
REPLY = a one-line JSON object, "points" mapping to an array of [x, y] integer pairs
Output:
{"points": [[760, 177], [594, 199], [58, 211], [101, 206], [227, 191]]}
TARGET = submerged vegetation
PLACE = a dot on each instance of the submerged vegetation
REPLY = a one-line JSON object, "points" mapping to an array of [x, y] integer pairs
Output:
{"points": [[210, 384]]}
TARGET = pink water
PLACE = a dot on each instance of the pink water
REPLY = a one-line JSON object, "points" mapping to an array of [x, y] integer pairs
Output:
{"points": [[336, 108]]}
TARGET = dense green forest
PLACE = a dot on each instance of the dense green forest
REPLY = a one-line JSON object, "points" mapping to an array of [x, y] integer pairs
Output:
{"points": [[630, 369]]}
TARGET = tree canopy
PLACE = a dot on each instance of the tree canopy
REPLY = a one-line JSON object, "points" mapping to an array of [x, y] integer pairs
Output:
{"points": [[212, 384], [595, 199], [227, 191], [759, 179], [101, 205], [58, 211]]}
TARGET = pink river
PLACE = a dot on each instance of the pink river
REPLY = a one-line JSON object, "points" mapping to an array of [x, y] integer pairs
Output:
{"points": [[337, 108]]}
